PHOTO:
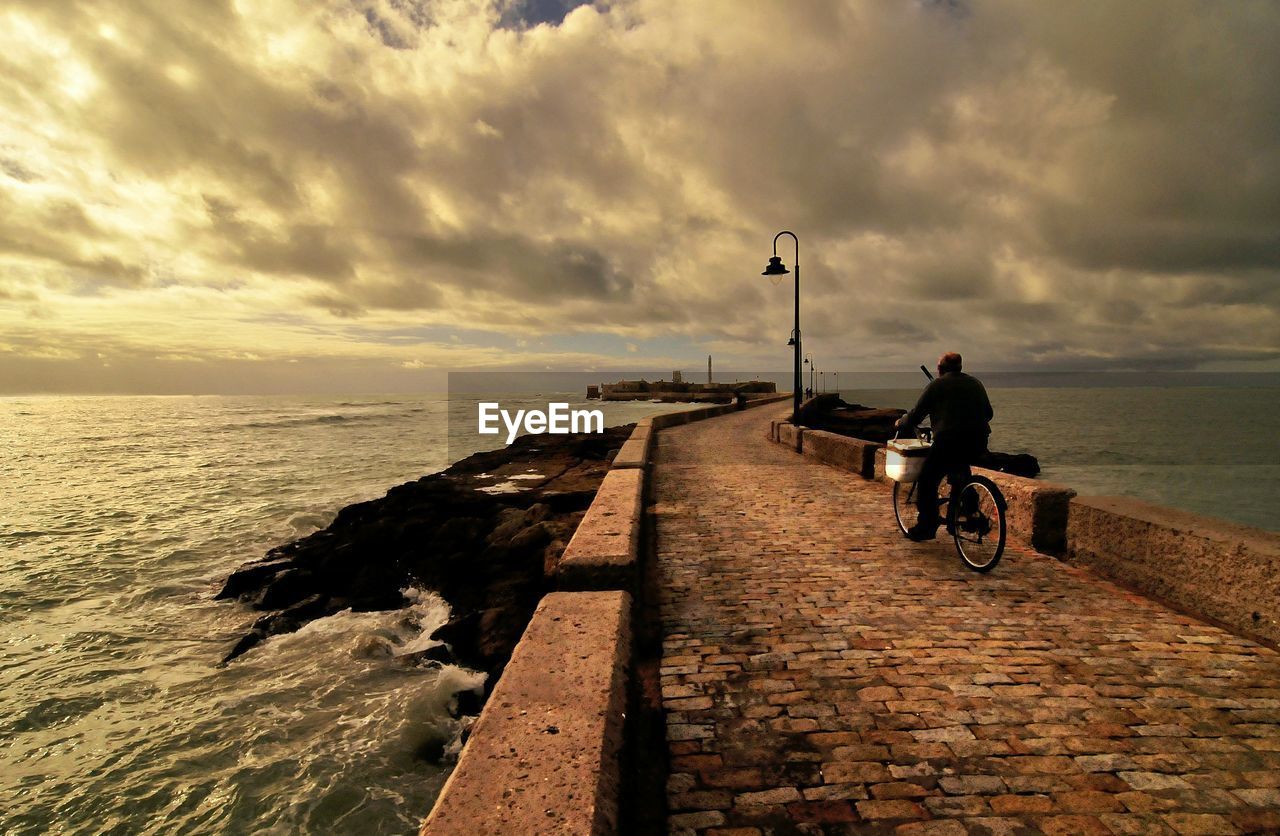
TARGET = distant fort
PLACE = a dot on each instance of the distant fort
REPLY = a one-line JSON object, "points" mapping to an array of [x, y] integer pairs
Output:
{"points": [[677, 390]]}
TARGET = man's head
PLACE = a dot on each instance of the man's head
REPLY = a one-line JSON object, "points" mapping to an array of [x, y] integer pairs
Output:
{"points": [[949, 362]]}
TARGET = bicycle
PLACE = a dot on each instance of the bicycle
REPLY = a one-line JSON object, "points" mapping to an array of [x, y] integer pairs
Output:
{"points": [[975, 509]]}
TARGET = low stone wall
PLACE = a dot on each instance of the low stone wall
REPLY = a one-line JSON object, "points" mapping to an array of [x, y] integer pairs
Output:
{"points": [[1205, 566], [544, 757], [1036, 514], [635, 450], [604, 552], [851, 454], [1037, 511], [765, 400], [673, 419], [791, 435]]}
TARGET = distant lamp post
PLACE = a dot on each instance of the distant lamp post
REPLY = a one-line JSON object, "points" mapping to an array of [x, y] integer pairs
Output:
{"points": [[777, 268], [808, 361]]}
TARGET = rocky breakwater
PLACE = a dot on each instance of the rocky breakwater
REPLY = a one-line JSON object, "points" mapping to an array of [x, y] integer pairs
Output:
{"points": [[486, 535], [831, 413]]}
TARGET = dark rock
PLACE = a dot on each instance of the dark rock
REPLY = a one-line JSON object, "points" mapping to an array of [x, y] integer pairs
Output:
{"points": [[829, 412], [252, 576], [1017, 464], [247, 641], [308, 608], [533, 537], [431, 749], [466, 731], [459, 631], [551, 557], [487, 554], [285, 589], [440, 654], [510, 520], [561, 502], [466, 703]]}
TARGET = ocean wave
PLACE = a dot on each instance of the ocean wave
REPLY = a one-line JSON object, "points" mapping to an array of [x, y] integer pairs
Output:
{"points": [[54, 711], [302, 422], [312, 420], [370, 635], [305, 522]]}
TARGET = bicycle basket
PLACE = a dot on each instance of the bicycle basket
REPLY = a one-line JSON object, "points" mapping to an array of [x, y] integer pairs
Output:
{"points": [[903, 459]]}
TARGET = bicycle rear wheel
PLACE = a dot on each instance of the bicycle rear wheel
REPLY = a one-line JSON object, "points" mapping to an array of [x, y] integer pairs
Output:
{"points": [[904, 505], [977, 523]]}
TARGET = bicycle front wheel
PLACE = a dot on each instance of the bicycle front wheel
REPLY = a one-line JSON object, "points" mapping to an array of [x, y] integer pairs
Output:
{"points": [[978, 523], [904, 505]]}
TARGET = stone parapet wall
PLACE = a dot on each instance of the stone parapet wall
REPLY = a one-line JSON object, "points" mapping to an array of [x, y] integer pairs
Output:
{"points": [[544, 757], [1036, 514], [635, 451], [1037, 511], [604, 551], [791, 436], [851, 454], [1222, 570]]}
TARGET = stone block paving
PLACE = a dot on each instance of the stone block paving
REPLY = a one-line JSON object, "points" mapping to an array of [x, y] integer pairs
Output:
{"points": [[820, 674]]}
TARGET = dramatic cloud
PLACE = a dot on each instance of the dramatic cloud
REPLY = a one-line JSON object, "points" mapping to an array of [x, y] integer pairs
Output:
{"points": [[221, 194]]}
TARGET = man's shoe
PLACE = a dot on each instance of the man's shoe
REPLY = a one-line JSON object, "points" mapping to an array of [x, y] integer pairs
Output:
{"points": [[921, 533]]}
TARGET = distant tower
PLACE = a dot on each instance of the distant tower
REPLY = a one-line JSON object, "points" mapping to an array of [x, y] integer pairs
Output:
{"points": [[708, 368]]}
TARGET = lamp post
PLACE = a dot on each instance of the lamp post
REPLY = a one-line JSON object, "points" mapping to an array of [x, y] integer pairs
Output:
{"points": [[777, 268], [808, 361]]}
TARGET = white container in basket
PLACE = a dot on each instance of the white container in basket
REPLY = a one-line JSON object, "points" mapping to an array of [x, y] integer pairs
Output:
{"points": [[903, 458]]}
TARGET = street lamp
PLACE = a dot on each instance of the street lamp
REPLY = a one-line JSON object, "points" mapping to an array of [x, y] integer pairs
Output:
{"points": [[777, 268], [808, 361]]}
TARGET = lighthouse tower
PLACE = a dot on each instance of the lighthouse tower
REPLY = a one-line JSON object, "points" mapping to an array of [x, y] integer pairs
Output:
{"points": [[708, 368]]}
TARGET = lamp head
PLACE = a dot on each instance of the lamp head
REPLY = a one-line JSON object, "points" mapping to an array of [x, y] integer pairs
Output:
{"points": [[776, 267], [791, 341]]}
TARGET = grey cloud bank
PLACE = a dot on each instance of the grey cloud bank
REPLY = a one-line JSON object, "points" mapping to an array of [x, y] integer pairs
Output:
{"points": [[1088, 185]]}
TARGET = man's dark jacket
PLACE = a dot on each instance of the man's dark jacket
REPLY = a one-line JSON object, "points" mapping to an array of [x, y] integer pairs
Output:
{"points": [[957, 405]]}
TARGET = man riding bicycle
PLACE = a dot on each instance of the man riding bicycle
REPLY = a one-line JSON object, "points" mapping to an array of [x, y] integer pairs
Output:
{"points": [[960, 414]]}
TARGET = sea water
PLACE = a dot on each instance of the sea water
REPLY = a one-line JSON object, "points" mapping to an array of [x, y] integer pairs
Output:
{"points": [[1214, 450], [120, 517]]}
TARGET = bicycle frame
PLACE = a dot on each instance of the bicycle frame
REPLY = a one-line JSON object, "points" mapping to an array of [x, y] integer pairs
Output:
{"points": [[944, 500]]}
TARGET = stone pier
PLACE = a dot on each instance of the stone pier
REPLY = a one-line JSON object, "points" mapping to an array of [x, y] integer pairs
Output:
{"points": [[820, 674]]}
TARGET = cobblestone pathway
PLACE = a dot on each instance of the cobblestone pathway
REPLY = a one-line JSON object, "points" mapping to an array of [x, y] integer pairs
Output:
{"points": [[822, 675]]}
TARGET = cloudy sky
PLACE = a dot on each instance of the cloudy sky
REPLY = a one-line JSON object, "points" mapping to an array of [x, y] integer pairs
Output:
{"points": [[357, 195]]}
